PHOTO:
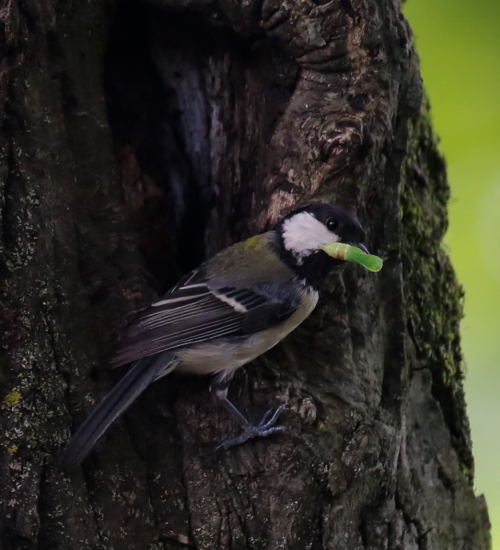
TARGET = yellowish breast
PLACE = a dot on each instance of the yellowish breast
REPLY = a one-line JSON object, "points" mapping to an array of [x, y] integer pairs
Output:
{"points": [[228, 354]]}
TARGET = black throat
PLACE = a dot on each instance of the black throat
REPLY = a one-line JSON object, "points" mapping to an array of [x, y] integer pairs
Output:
{"points": [[312, 269]]}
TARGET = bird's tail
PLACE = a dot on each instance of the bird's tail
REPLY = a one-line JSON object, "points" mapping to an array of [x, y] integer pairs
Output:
{"points": [[139, 376]]}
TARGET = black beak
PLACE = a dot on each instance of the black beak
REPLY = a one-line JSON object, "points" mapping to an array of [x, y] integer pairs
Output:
{"points": [[363, 248]]}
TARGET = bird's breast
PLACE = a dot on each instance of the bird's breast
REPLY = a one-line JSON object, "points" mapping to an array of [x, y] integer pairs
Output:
{"points": [[230, 353]]}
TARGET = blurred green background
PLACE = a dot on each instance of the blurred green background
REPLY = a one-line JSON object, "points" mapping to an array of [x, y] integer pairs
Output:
{"points": [[459, 46]]}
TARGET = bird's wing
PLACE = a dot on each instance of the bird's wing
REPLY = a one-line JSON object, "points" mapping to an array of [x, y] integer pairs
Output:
{"points": [[195, 311]]}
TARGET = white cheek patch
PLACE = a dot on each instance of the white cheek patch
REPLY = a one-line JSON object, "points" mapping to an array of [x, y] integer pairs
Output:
{"points": [[303, 234]]}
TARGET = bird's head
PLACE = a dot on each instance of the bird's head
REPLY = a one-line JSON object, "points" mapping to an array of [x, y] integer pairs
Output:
{"points": [[305, 232]]}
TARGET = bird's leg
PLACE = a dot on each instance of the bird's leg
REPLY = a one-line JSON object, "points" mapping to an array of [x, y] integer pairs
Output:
{"points": [[266, 426]]}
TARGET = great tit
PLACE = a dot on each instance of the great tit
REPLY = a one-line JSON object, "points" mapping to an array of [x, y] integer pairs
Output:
{"points": [[224, 314]]}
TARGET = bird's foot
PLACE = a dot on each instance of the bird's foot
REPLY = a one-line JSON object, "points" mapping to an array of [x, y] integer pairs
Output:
{"points": [[263, 429]]}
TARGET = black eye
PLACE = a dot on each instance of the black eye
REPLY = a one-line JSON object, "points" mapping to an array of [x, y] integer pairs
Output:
{"points": [[332, 224]]}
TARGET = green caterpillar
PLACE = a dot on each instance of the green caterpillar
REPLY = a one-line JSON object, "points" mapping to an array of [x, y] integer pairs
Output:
{"points": [[353, 254]]}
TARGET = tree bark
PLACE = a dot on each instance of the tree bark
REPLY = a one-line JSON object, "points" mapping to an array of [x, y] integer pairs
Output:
{"points": [[138, 138]]}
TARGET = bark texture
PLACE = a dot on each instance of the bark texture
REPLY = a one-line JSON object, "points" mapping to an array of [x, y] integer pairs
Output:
{"points": [[139, 137]]}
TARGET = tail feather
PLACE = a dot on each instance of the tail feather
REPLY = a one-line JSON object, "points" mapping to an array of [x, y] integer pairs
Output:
{"points": [[140, 375]]}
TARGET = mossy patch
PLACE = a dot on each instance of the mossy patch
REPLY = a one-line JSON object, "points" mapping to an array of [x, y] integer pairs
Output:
{"points": [[12, 399], [435, 298]]}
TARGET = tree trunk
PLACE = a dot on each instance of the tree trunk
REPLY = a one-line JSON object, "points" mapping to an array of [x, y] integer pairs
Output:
{"points": [[138, 138]]}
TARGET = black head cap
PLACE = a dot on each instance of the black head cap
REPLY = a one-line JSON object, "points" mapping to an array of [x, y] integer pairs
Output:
{"points": [[302, 233]]}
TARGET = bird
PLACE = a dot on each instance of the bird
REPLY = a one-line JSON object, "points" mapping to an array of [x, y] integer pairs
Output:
{"points": [[231, 309]]}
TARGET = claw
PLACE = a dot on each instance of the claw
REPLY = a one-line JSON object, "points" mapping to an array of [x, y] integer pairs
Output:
{"points": [[264, 423], [263, 429], [265, 417]]}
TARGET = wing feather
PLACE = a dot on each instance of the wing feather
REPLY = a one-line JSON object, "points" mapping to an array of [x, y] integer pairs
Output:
{"points": [[192, 312]]}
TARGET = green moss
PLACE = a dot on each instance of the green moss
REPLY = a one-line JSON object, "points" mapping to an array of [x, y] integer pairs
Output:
{"points": [[12, 399], [435, 298]]}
